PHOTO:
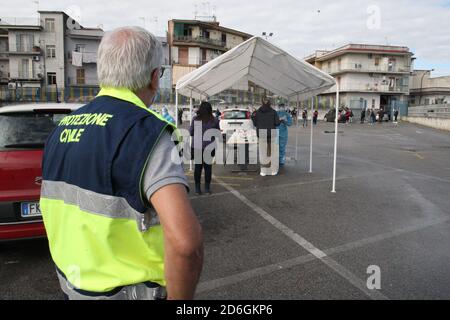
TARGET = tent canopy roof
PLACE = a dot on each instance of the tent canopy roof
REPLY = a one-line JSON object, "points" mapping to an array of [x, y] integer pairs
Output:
{"points": [[262, 63]]}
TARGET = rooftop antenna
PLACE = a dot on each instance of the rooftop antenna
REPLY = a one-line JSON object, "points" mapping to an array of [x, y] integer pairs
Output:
{"points": [[206, 14], [196, 12]]}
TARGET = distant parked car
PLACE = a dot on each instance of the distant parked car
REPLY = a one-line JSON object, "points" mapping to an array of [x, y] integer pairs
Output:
{"points": [[23, 132], [235, 119]]}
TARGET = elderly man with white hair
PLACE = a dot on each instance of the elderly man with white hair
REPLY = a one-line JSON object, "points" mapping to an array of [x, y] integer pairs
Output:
{"points": [[114, 199]]}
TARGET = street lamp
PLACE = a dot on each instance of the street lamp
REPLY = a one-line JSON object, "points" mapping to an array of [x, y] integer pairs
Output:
{"points": [[421, 85], [267, 35]]}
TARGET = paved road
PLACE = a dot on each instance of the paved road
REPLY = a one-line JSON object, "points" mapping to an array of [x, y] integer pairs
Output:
{"points": [[288, 237]]}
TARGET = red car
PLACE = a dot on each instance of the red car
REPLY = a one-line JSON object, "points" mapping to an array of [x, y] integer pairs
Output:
{"points": [[23, 131]]}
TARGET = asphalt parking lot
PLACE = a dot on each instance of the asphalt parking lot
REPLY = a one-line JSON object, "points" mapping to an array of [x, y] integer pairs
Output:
{"points": [[289, 237]]}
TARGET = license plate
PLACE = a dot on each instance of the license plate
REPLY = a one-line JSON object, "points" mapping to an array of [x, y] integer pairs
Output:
{"points": [[30, 209]]}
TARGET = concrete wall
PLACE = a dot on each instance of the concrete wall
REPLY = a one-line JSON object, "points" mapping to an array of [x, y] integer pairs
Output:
{"points": [[437, 123], [233, 40]]}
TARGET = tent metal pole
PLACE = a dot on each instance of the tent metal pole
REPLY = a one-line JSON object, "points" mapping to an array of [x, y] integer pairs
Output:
{"points": [[190, 121], [312, 131], [296, 131], [336, 137], [176, 108]]}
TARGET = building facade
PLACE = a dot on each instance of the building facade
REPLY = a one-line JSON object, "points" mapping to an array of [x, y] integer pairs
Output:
{"points": [[36, 58], [370, 76], [194, 43], [425, 90]]}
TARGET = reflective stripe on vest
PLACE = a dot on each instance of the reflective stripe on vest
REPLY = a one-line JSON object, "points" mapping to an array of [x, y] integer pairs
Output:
{"points": [[99, 204]]}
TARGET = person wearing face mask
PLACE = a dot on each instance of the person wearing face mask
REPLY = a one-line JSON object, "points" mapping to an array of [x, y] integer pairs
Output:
{"points": [[167, 116], [285, 122]]}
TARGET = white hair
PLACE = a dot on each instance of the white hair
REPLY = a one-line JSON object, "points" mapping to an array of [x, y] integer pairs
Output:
{"points": [[126, 58]]}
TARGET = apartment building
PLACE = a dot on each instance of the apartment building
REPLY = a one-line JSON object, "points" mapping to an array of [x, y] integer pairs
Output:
{"points": [[165, 83], [370, 76], [51, 53], [21, 54], [193, 43], [425, 90]]}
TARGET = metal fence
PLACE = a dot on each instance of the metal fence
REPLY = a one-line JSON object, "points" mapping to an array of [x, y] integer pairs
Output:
{"points": [[85, 94], [431, 111]]}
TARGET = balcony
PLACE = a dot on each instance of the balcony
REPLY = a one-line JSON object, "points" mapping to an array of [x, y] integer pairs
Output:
{"points": [[85, 58], [371, 88], [361, 68], [200, 40], [26, 50], [26, 76]]}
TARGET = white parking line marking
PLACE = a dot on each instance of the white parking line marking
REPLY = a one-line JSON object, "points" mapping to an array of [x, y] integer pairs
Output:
{"points": [[319, 254], [295, 184], [257, 272]]}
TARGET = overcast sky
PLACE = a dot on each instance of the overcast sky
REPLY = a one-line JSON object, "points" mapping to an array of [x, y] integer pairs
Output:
{"points": [[300, 27]]}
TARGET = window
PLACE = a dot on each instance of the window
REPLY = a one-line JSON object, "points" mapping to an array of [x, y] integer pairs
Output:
{"points": [[80, 47], [51, 51], [24, 71], [27, 129], [51, 78], [187, 31], [224, 37], [80, 76], [24, 42], [377, 62], [50, 25]]}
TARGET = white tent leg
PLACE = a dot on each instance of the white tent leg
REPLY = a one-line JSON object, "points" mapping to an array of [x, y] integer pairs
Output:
{"points": [[190, 121], [176, 108], [336, 137], [296, 131], [312, 130]]}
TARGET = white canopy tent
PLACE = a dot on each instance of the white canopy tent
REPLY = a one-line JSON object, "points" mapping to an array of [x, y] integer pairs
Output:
{"points": [[267, 66]]}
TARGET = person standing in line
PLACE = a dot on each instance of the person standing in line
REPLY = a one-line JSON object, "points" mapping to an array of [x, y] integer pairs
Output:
{"points": [[294, 115], [380, 115], [305, 118], [363, 116], [266, 121], [285, 122], [315, 117], [373, 117], [207, 121]]}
